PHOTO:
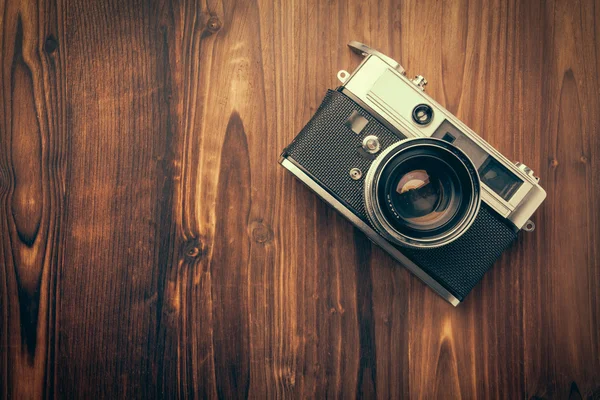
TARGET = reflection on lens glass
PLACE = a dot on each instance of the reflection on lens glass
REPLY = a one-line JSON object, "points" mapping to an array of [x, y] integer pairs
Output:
{"points": [[418, 195], [423, 193]]}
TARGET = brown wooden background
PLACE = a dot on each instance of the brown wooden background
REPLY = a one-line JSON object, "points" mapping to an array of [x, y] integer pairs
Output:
{"points": [[150, 244]]}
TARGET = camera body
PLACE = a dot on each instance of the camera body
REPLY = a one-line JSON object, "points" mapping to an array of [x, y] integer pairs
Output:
{"points": [[410, 175]]}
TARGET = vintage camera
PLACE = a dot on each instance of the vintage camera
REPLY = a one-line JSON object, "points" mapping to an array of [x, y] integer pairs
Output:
{"points": [[415, 179]]}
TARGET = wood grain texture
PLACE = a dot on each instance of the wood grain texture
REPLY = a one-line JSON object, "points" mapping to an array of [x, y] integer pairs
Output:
{"points": [[150, 245]]}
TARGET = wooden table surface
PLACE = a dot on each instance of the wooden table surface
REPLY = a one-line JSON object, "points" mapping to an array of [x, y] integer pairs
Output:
{"points": [[150, 245]]}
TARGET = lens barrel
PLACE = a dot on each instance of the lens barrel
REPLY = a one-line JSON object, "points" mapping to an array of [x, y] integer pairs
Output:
{"points": [[422, 193]]}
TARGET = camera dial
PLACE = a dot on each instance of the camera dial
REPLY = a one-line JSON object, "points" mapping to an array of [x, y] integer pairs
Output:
{"points": [[420, 82], [422, 114], [371, 144]]}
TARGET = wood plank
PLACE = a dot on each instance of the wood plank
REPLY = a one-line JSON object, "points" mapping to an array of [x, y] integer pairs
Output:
{"points": [[116, 308], [33, 151]]}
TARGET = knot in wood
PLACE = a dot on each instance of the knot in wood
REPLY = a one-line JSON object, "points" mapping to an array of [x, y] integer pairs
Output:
{"points": [[51, 44], [214, 24], [261, 233], [193, 249]]}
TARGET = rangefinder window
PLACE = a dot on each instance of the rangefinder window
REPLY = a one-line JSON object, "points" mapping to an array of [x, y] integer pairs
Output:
{"points": [[451, 134], [498, 178]]}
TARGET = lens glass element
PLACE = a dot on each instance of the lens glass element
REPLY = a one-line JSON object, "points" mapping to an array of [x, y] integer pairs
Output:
{"points": [[417, 195], [423, 193]]}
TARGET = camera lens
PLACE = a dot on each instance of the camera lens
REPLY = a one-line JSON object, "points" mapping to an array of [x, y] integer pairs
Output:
{"points": [[422, 193]]}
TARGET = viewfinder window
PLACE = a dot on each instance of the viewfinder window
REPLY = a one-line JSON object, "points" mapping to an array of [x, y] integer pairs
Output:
{"points": [[498, 178]]}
